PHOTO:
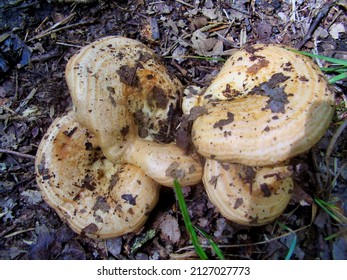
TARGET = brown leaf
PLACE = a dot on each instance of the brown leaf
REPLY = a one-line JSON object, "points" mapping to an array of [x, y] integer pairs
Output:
{"points": [[169, 229]]}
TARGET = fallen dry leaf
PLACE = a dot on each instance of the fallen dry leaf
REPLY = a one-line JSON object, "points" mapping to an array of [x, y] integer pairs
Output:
{"points": [[170, 229]]}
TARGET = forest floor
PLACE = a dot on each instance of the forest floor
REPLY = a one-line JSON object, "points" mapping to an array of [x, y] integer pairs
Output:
{"points": [[37, 38]]}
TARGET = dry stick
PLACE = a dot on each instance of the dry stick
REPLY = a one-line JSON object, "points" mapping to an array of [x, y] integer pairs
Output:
{"points": [[16, 7], [18, 154], [322, 13], [18, 232], [46, 56], [41, 24], [54, 27], [68, 45], [63, 21], [184, 3], [16, 88], [241, 11], [61, 28]]}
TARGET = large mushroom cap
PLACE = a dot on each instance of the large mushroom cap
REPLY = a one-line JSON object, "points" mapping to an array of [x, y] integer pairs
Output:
{"points": [[120, 89], [251, 196], [266, 105], [126, 97], [93, 195]]}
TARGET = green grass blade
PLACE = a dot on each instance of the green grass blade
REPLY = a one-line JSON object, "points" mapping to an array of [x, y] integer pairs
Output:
{"points": [[337, 234], [332, 211], [326, 58], [291, 248], [183, 206], [338, 78], [324, 205], [212, 243], [339, 62], [292, 244], [334, 69]]}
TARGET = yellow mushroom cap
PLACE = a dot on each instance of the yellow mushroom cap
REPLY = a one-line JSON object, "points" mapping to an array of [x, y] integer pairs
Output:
{"points": [[266, 105], [120, 90], [251, 196], [93, 195], [125, 96]]}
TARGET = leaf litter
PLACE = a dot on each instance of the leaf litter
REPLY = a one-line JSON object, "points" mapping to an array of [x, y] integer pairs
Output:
{"points": [[37, 41]]}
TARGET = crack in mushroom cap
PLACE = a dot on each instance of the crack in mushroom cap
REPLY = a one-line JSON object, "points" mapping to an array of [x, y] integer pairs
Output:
{"points": [[94, 196], [251, 196], [266, 105], [125, 96]]}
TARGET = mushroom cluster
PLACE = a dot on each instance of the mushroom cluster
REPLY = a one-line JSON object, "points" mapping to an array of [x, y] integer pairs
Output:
{"points": [[100, 166], [267, 105]]}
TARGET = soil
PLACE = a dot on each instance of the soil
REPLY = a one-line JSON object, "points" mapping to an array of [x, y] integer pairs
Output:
{"points": [[38, 38]]}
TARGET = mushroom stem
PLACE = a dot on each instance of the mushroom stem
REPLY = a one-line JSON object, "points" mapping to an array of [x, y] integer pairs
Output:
{"points": [[163, 163]]}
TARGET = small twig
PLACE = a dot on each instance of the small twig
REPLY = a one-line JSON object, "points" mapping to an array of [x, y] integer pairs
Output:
{"points": [[47, 56], [41, 24], [63, 21], [213, 25], [186, 4], [219, 28], [322, 13], [9, 110], [334, 19], [26, 100], [18, 232], [16, 89], [246, 13], [69, 45], [227, 15], [61, 28], [292, 17], [16, 7], [18, 154]]}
